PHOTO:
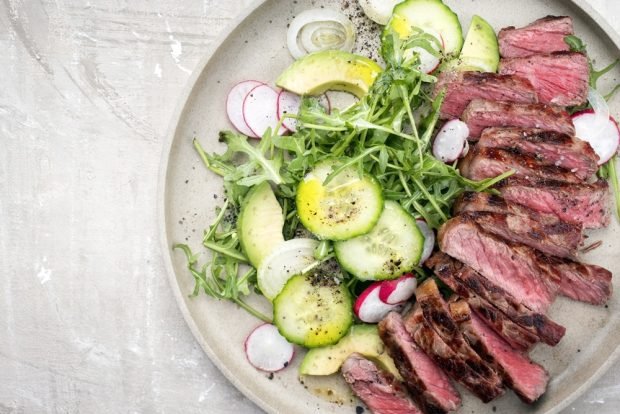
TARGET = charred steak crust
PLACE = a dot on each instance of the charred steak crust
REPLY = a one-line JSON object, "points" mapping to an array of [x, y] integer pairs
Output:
{"points": [[548, 147], [527, 379], [481, 113], [428, 384], [468, 283], [379, 390], [462, 87], [544, 35]]}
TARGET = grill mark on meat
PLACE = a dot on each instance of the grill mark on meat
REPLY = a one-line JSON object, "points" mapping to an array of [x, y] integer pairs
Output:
{"points": [[428, 384], [558, 239], [559, 78], [528, 379], [481, 113], [379, 390], [462, 87], [583, 204], [549, 147], [468, 283], [485, 162], [437, 316]]}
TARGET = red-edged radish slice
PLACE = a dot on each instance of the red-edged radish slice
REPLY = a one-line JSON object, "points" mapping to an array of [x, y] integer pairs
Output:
{"points": [[260, 110], [397, 291], [604, 139], [369, 307], [288, 103], [234, 105], [450, 141], [429, 240], [428, 62], [326, 102], [267, 350]]}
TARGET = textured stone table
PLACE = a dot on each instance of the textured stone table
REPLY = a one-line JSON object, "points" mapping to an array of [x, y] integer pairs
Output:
{"points": [[87, 320]]}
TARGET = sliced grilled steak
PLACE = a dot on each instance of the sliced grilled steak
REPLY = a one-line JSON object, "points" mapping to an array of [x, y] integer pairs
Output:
{"points": [[474, 201], [527, 379], [437, 316], [468, 283], [579, 281], [462, 87], [585, 204], [481, 114], [544, 35], [549, 147], [454, 365], [561, 239], [559, 78], [481, 163], [379, 390], [429, 385], [518, 337]]}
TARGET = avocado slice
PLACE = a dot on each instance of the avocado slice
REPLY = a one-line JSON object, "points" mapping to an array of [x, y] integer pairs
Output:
{"points": [[318, 72], [260, 223], [481, 50], [363, 339]]}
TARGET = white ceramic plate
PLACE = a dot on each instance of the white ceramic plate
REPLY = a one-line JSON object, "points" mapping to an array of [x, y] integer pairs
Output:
{"points": [[254, 48]]}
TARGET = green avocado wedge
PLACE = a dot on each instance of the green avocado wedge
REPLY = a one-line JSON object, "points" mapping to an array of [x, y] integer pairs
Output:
{"points": [[363, 339], [480, 51], [318, 72]]}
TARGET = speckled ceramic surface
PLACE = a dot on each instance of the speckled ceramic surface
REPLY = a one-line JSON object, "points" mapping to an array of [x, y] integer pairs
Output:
{"points": [[255, 49]]}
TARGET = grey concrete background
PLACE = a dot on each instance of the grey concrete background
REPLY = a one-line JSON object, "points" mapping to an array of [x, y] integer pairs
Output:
{"points": [[87, 320]]}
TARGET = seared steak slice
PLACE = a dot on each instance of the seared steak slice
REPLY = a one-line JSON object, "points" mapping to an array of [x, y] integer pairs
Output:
{"points": [[544, 35], [518, 337], [559, 78], [462, 87], [549, 147], [481, 163], [429, 385], [511, 266], [468, 283], [474, 201], [437, 316], [454, 365], [580, 281], [527, 379], [379, 390], [584, 204], [561, 239], [481, 114]]}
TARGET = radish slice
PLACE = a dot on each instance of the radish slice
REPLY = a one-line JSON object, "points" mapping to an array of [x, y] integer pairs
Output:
{"points": [[397, 291], [450, 141], [288, 103], [234, 105], [604, 141], [379, 11], [260, 110], [429, 240], [600, 108], [369, 307], [428, 62], [267, 350]]}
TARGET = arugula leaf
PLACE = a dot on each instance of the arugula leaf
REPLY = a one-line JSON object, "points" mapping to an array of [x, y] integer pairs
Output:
{"points": [[575, 43]]}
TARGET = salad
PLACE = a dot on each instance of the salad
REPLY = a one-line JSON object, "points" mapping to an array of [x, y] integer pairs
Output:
{"points": [[330, 211]]}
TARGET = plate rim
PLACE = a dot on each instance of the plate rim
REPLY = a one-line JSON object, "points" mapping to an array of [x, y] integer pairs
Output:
{"points": [[164, 241]]}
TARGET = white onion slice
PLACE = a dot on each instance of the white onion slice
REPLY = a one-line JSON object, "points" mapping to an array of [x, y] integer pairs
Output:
{"points": [[379, 11], [319, 29]]}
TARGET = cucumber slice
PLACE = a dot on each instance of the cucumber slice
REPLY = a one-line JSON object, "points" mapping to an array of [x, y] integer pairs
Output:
{"points": [[285, 261], [392, 247], [313, 310], [481, 50], [260, 223], [363, 339], [430, 16], [348, 206]]}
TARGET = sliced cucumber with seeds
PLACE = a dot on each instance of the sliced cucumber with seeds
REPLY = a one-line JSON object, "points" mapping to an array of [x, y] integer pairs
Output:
{"points": [[313, 310], [391, 248], [347, 206]]}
